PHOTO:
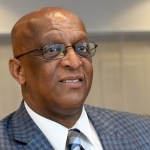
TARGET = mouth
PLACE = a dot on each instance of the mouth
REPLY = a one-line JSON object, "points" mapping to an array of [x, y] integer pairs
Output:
{"points": [[72, 80]]}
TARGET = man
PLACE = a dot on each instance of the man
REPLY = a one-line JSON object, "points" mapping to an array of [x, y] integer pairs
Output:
{"points": [[52, 63]]}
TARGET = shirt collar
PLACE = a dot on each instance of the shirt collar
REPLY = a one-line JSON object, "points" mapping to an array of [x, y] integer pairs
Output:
{"points": [[85, 126], [53, 130]]}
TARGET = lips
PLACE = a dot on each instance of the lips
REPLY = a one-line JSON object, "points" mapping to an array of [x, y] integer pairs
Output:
{"points": [[71, 79]]}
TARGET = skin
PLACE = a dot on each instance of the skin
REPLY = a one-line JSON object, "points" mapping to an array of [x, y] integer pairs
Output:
{"points": [[41, 80]]}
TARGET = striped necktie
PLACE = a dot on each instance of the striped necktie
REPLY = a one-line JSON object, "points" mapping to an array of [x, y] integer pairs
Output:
{"points": [[73, 140]]}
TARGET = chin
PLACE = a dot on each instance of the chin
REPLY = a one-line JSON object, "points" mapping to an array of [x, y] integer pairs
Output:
{"points": [[75, 104]]}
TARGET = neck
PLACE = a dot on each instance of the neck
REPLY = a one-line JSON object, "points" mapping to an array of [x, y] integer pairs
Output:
{"points": [[68, 120], [65, 118]]}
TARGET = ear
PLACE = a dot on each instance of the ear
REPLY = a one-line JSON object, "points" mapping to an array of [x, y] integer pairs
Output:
{"points": [[16, 70]]}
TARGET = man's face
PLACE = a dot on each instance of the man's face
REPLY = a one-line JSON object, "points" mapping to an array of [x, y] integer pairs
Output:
{"points": [[58, 87]]}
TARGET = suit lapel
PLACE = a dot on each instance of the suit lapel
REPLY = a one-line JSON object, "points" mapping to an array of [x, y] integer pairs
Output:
{"points": [[30, 136], [38, 142], [111, 137], [26, 132]]}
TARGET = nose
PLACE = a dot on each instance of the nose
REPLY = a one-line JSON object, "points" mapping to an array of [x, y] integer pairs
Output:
{"points": [[71, 59]]}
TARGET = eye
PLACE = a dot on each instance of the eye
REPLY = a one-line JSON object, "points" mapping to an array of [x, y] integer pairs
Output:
{"points": [[53, 51], [52, 48], [82, 47]]}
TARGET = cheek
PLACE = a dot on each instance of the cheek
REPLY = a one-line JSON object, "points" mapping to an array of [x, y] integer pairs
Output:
{"points": [[36, 71], [88, 68], [41, 79], [40, 68]]}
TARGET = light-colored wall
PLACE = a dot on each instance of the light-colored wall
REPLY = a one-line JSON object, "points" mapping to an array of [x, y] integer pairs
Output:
{"points": [[10, 96], [121, 65], [98, 15], [121, 77]]}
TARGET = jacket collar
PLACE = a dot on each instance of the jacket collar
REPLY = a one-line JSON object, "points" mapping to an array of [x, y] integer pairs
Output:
{"points": [[27, 132], [111, 134]]}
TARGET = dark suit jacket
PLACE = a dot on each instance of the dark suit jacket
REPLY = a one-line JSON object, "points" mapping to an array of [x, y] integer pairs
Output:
{"points": [[116, 131]]}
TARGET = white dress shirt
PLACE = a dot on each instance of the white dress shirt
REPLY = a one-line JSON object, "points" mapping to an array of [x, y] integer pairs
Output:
{"points": [[57, 133]]}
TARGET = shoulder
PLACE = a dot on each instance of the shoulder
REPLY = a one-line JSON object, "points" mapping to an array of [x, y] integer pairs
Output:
{"points": [[123, 121], [6, 136], [5, 124], [126, 128], [96, 111]]}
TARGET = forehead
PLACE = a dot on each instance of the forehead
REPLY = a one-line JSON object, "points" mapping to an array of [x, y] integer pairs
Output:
{"points": [[34, 29], [61, 28]]}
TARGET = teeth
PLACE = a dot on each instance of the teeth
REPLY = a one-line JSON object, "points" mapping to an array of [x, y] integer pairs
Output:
{"points": [[70, 81]]}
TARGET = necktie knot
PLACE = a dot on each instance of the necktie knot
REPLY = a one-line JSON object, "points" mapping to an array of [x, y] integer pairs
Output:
{"points": [[73, 140]]}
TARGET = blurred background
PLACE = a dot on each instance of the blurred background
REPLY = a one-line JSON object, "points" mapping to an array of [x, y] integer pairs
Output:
{"points": [[121, 64]]}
